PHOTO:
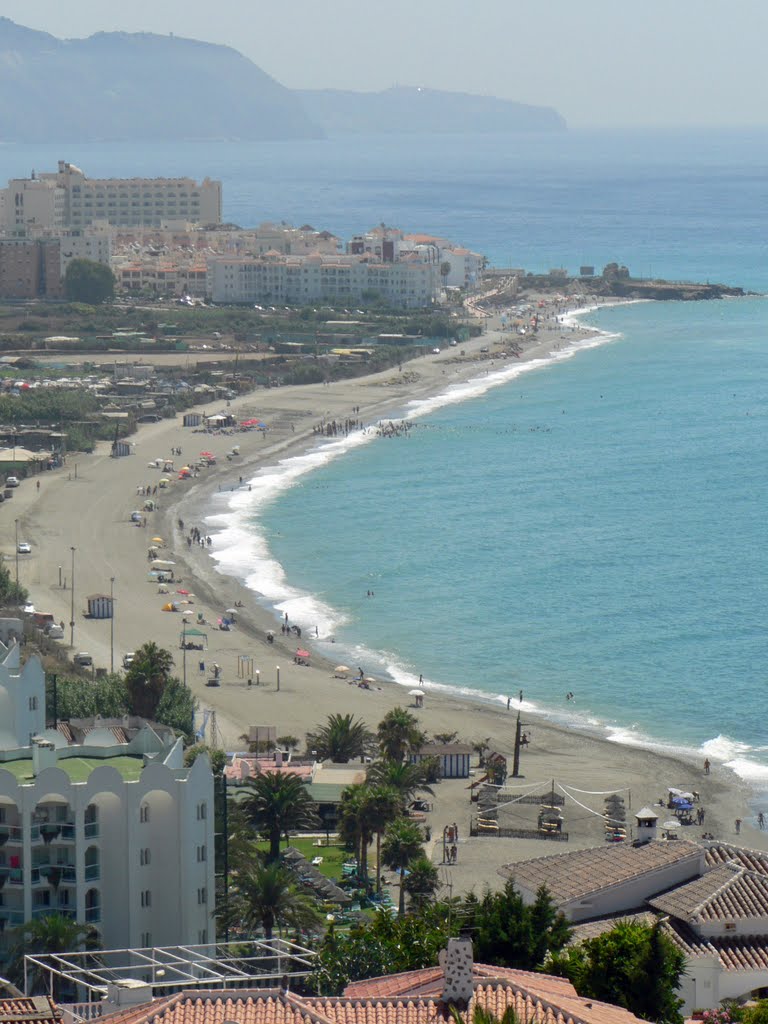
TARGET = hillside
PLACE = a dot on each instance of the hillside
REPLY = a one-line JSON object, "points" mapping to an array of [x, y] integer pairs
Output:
{"points": [[406, 110], [120, 86]]}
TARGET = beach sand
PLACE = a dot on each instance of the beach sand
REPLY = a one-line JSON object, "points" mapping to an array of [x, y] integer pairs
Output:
{"points": [[87, 507]]}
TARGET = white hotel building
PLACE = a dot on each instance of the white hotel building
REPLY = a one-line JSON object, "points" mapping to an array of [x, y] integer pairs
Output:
{"points": [[299, 280], [114, 834]]}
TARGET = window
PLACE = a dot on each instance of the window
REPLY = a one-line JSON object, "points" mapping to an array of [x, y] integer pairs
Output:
{"points": [[202, 811], [202, 936], [146, 897], [33, 703], [146, 938], [201, 854], [144, 813], [202, 896], [144, 856]]}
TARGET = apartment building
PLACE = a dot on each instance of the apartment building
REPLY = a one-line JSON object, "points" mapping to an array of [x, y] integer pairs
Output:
{"points": [[111, 831], [67, 198], [316, 278], [30, 268]]}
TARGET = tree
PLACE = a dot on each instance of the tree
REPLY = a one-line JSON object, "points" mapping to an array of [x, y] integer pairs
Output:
{"points": [[276, 805], [633, 965], [11, 593], [405, 779], [401, 846], [366, 811], [176, 708], [147, 679], [381, 945], [218, 758], [508, 933], [446, 737], [399, 735], [53, 933], [263, 895], [341, 738], [421, 884], [88, 281]]}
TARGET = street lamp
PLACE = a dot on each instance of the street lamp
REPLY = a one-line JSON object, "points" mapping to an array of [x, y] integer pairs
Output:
{"points": [[72, 604], [112, 624], [16, 521]]}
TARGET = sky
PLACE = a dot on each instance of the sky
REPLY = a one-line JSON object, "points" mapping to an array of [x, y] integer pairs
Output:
{"points": [[600, 64]]}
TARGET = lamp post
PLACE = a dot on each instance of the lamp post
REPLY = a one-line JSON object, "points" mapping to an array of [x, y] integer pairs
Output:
{"points": [[72, 603], [111, 624], [16, 521], [277, 667]]}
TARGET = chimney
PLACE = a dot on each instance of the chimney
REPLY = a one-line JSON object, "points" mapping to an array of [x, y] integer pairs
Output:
{"points": [[43, 754], [457, 964]]}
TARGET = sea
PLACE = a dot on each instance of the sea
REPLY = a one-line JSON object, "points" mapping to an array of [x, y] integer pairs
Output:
{"points": [[591, 524]]}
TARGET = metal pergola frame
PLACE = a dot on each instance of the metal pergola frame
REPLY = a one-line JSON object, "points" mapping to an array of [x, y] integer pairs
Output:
{"points": [[239, 964]]}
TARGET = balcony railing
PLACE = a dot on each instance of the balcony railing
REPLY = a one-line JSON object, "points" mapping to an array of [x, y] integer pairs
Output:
{"points": [[54, 874], [11, 917], [10, 834], [91, 830], [92, 872], [92, 914]]}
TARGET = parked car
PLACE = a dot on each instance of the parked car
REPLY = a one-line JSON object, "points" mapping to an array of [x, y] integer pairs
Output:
{"points": [[11, 481], [128, 659], [83, 659], [24, 547], [55, 633]]}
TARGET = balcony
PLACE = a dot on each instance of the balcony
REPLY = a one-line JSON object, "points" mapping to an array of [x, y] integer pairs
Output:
{"points": [[39, 912], [10, 834], [92, 872], [53, 874], [10, 918], [92, 830], [92, 914]]}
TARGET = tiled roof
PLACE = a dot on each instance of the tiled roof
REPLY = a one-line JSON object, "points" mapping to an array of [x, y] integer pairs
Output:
{"points": [[726, 893], [575, 875], [723, 853], [536, 998], [38, 1009], [742, 953], [592, 929]]}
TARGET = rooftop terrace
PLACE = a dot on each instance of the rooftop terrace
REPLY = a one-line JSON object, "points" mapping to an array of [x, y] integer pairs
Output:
{"points": [[78, 768]]}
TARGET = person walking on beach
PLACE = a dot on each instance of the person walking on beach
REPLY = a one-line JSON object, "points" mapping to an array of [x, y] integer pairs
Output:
{"points": [[509, 701], [706, 766], [761, 820], [737, 826]]}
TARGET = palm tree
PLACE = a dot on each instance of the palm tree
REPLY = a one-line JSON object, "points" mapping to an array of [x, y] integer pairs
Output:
{"points": [[399, 735], [402, 846], [147, 678], [53, 933], [422, 883], [341, 738], [384, 806], [276, 805], [263, 895], [354, 827], [406, 779]]}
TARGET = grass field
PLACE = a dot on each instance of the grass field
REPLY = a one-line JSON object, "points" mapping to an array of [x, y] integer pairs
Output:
{"points": [[333, 856], [78, 768]]}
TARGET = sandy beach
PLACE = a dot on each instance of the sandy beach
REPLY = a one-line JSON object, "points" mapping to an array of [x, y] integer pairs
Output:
{"points": [[87, 507]]}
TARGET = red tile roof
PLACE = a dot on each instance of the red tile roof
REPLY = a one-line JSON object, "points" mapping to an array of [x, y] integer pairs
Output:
{"points": [[411, 998], [37, 1009], [726, 893], [743, 953]]}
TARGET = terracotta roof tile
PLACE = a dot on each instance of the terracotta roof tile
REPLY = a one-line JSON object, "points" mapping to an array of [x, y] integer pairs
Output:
{"points": [[575, 875], [742, 953], [36, 1009], [727, 893], [723, 853]]}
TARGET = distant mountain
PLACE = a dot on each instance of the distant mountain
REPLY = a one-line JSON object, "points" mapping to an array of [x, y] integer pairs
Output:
{"points": [[120, 86], [405, 110], [117, 86]]}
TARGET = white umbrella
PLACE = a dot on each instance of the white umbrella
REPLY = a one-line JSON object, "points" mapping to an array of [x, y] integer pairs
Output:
{"points": [[671, 824], [341, 668], [415, 693], [187, 611], [232, 611]]}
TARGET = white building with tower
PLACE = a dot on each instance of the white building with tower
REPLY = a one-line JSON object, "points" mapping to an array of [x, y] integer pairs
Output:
{"points": [[119, 835]]}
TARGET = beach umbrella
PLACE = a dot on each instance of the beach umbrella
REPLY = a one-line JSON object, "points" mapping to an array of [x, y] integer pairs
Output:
{"points": [[187, 611], [671, 825], [158, 540], [182, 591], [369, 679], [415, 693], [232, 611], [300, 653], [342, 668]]}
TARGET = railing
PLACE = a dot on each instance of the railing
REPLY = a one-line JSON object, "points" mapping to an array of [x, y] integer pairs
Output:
{"points": [[10, 833], [92, 830], [92, 914], [16, 877], [47, 872], [92, 872], [77, 1012], [11, 917], [50, 830]]}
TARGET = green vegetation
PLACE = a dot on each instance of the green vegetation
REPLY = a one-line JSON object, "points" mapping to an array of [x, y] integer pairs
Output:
{"points": [[341, 739], [633, 965], [87, 281], [11, 593], [79, 768], [146, 690], [275, 805], [53, 933]]}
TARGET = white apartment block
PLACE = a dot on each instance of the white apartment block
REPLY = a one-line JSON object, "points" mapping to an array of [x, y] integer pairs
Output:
{"points": [[118, 835], [84, 245], [340, 280], [66, 198]]}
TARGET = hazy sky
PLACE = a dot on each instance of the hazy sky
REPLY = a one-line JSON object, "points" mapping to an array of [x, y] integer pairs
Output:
{"points": [[663, 62]]}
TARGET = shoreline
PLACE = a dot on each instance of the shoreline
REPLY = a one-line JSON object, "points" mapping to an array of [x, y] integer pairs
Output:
{"points": [[106, 546]]}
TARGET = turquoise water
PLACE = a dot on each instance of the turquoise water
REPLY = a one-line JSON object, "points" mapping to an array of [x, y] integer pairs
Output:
{"points": [[595, 525]]}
